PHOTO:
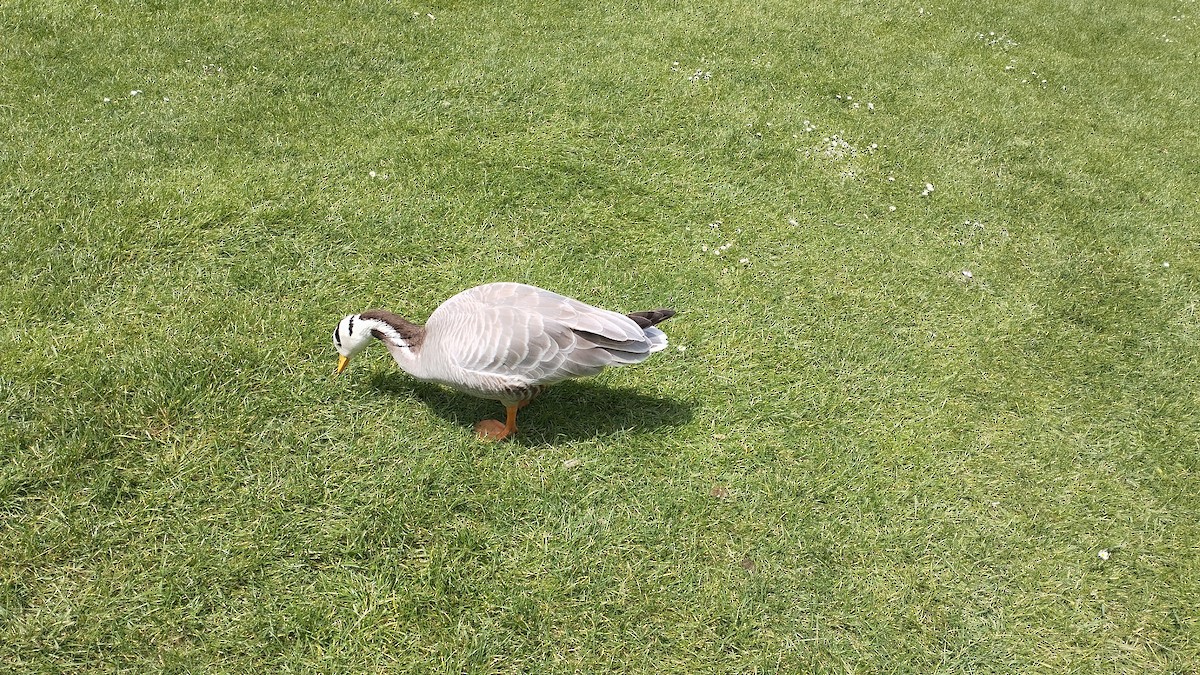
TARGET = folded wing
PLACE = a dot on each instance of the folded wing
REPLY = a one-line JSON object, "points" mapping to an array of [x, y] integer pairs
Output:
{"points": [[539, 337]]}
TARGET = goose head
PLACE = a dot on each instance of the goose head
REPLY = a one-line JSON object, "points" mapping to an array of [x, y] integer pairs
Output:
{"points": [[402, 338], [351, 336]]}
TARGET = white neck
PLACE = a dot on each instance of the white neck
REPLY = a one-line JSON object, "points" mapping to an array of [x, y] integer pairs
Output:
{"points": [[400, 347]]}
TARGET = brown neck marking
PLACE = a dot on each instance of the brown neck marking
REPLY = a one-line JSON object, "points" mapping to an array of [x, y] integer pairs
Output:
{"points": [[413, 334]]}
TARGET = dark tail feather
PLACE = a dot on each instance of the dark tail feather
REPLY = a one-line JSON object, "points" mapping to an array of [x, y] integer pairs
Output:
{"points": [[652, 317]]}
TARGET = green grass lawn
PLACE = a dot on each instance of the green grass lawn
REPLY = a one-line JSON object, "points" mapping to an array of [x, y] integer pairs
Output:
{"points": [[897, 429]]}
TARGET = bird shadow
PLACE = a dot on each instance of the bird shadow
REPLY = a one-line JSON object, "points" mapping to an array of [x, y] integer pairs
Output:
{"points": [[567, 411]]}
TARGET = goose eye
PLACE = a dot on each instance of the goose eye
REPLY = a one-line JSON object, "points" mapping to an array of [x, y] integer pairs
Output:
{"points": [[337, 336]]}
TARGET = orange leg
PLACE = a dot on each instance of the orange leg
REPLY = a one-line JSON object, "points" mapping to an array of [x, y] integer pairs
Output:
{"points": [[493, 430]]}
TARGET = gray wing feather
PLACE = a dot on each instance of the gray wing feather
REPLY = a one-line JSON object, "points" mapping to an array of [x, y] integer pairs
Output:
{"points": [[536, 336]]}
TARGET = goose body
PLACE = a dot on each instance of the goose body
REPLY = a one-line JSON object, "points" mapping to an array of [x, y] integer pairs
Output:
{"points": [[506, 342]]}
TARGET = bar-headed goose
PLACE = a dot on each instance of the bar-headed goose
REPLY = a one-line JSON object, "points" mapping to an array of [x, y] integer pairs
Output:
{"points": [[506, 342]]}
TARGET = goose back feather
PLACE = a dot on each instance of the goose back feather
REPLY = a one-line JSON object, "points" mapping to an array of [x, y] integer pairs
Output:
{"points": [[505, 341]]}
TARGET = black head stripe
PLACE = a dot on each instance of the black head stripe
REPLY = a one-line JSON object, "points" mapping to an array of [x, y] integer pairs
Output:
{"points": [[351, 330], [337, 335]]}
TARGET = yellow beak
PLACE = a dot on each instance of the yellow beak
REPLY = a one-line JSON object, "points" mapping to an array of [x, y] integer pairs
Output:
{"points": [[342, 361]]}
